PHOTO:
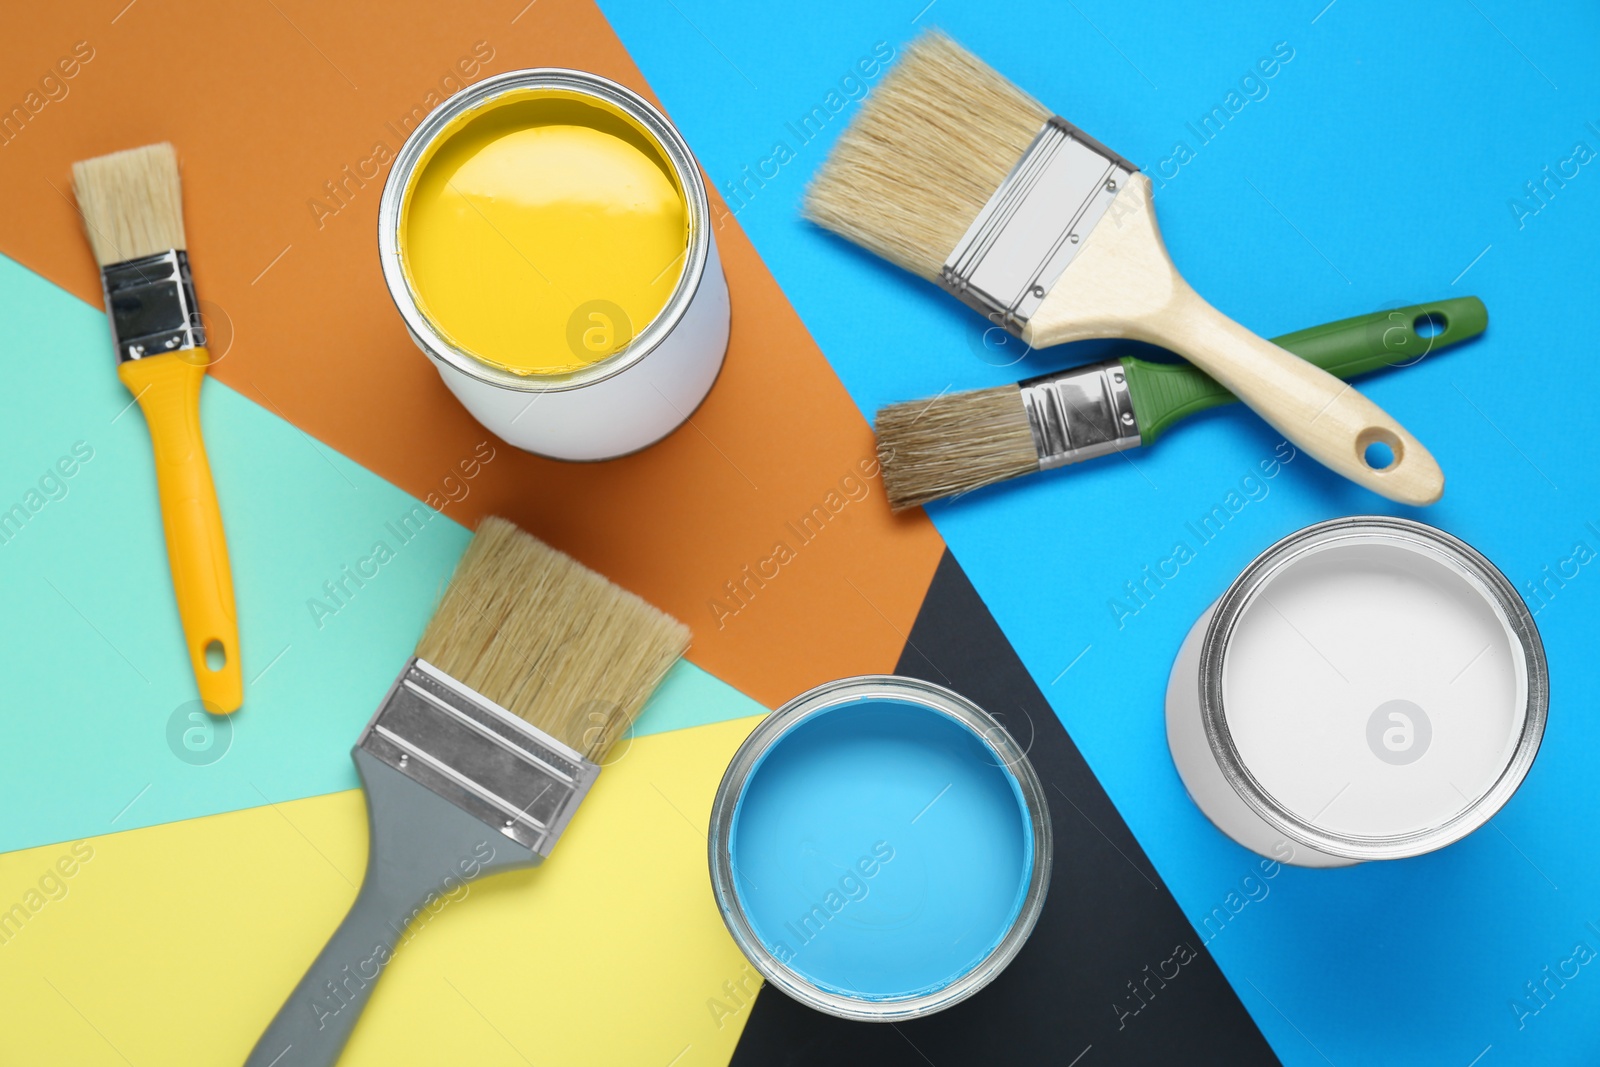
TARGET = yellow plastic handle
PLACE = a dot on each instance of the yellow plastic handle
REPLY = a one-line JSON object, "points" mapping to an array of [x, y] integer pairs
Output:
{"points": [[168, 390]]}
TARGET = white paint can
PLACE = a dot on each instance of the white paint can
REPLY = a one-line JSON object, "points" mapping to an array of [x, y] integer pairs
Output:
{"points": [[1368, 688]]}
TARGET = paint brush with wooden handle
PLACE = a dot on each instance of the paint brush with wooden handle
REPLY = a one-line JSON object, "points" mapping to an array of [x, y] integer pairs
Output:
{"points": [[132, 206], [953, 443], [957, 175]]}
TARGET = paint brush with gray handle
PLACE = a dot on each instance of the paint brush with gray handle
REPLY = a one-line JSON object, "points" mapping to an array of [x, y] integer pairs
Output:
{"points": [[478, 756]]}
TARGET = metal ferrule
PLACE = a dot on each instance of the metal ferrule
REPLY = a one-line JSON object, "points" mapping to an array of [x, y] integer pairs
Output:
{"points": [[1033, 225], [152, 305], [1080, 413], [492, 764]]}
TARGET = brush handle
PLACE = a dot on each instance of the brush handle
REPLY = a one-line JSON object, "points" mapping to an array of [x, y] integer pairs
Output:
{"points": [[424, 852], [1123, 283], [168, 390], [1164, 393]]}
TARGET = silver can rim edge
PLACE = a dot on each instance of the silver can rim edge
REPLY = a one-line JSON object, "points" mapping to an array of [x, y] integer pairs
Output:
{"points": [[813, 702], [433, 344], [1478, 810]]}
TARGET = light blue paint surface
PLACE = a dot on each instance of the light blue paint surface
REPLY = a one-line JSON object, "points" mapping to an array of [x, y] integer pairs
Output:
{"points": [[881, 850], [92, 666], [1378, 170]]}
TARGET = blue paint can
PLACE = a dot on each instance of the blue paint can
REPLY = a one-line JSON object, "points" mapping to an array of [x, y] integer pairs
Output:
{"points": [[880, 848]]}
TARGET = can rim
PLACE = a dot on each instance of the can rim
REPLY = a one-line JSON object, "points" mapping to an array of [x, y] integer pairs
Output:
{"points": [[673, 147], [827, 697], [1443, 546]]}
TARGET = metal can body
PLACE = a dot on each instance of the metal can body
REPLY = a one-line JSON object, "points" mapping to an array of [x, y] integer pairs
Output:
{"points": [[991, 752], [625, 401], [1368, 688]]}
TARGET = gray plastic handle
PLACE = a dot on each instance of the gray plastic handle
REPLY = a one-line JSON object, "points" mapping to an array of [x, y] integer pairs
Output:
{"points": [[422, 848]]}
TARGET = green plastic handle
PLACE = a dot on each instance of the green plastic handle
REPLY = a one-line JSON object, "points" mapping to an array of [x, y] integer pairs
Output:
{"points": [[1163, 393]]}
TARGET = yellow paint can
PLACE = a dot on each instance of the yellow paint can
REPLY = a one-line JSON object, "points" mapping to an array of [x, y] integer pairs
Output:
{"points": [[545, 234]]}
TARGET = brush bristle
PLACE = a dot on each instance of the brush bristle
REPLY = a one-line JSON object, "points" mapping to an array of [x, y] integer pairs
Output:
{"points": [[547, 638], [132, 203], [928, 149], [930, 449]]}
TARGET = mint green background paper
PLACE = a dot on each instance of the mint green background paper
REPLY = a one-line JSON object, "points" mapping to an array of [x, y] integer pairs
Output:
{"points": [[96, 693]]}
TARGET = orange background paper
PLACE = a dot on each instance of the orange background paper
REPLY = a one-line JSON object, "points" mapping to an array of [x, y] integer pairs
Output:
{"points": [[267, 102]]}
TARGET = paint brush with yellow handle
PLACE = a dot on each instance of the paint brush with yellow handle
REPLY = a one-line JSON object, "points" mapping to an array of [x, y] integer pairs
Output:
{"points": [[132, 205]]}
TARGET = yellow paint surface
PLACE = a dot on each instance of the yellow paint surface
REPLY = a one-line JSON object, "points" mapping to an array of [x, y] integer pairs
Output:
{"points": [[544, 232], [176, 944]]}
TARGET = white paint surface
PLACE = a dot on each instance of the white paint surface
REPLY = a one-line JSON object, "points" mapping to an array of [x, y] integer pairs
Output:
{"points": [[1339, 633]]}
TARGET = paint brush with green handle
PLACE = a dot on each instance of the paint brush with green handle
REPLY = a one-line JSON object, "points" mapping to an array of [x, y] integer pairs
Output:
{"points": [[955, 443]]}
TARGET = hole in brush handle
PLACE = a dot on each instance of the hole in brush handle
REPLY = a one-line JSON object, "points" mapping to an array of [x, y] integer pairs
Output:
{"points": [[1380, 448]]}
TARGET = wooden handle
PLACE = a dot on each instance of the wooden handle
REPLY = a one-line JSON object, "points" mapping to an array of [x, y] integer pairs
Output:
{"points": [[1123, 283], [1327, 418], [168, 390]]}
